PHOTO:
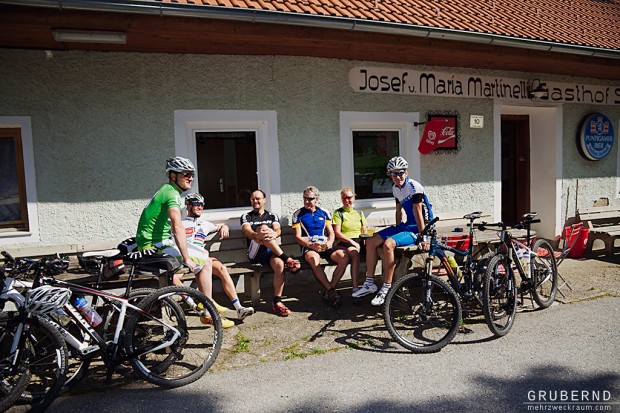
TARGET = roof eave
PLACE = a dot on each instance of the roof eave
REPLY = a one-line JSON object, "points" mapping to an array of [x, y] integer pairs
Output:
{"points": [[317, 21]]}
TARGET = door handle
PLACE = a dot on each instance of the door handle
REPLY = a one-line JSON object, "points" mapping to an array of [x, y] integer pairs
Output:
{"points": [[221, 184]]}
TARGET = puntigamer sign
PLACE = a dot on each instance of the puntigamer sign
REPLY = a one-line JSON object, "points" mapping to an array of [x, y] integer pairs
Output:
{"points": [[431, 83]]}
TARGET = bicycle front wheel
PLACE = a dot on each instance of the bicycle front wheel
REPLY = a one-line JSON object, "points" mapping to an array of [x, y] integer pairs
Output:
{"points": [[422, 313], [544, 274], [12, 385], [499, 296], [173, 345], [46, 359]]}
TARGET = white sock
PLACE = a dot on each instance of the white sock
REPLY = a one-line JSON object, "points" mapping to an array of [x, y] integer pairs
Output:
{"points": [[237, 304]]}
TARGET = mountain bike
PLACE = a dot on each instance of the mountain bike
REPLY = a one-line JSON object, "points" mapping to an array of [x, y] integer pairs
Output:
{"points": [[33, 359], [536, 266], [423, 312], [162, 336]]}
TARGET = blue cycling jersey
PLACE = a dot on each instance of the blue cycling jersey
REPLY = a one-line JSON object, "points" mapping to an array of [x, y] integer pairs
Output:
{"points": [[411, 193], [312, 223]]}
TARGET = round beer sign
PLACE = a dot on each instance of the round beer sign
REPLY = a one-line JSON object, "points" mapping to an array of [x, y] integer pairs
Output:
{"points": [[596, 137]]}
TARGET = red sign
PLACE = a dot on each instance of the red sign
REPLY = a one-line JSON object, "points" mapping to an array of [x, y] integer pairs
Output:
{"points": [[439, 133]]}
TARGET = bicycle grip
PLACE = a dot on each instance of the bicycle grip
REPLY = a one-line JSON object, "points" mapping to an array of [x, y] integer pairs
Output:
{"points": [[8, 256]]}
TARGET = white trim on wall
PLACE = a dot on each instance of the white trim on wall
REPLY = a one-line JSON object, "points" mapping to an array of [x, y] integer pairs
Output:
{"points": [[263, 123], [618, 161], [409, 135], [32, 235]]}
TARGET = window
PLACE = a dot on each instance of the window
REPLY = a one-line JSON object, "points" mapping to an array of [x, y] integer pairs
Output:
{"points": [[367, 141], [13, 205], [227, 169], [19, 221], [245, 143], [371, 152]]}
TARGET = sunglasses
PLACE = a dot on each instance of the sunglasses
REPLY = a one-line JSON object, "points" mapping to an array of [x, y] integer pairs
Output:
{"points": [[348, 197], [187, 174], [308, 198], [399, 173], [197, 204]]}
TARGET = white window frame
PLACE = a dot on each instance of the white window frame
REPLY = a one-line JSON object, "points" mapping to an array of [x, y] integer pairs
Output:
{"points": [[264, 123], [32, 235], [618, 161], [408, 139]]}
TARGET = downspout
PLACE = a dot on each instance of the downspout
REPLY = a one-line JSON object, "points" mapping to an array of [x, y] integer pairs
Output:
{"points": [[330, 22]]}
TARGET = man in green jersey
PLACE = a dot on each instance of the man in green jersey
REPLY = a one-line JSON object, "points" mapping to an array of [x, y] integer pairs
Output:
{"points": [[162, 218]]}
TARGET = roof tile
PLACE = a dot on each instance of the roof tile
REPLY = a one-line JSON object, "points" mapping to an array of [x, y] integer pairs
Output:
{"points": [[594, 23]]}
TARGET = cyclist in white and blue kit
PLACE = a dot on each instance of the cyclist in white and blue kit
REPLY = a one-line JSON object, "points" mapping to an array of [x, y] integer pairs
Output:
{"points": [[410, 198]]}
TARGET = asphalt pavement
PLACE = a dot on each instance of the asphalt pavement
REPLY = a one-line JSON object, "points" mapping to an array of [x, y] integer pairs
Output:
{"points": [[563, 358]]}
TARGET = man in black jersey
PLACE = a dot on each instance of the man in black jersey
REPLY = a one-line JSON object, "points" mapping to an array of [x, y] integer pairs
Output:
{"points": [[262, 228]]}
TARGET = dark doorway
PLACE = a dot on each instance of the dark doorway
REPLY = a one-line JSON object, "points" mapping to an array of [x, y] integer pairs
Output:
{"points": [[515, 167], [227, 168]]}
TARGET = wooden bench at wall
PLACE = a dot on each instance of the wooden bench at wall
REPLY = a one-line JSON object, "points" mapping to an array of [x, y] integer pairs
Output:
{"points": [[232, 252], [604, 224]]}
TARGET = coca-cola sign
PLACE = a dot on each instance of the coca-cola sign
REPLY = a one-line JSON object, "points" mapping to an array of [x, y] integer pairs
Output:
{"points": [[441, 132]]}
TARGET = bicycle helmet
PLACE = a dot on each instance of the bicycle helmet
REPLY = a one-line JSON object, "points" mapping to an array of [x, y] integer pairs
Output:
{"points": [[56, 264], [46, 299], [194, 198], [397, 163], [178, 164]]}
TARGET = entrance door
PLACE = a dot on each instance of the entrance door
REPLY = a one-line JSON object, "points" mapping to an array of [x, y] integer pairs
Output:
{"points": [[515, 167]]}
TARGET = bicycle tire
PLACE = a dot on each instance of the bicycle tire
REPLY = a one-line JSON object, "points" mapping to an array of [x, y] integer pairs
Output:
{"points": [[418, 329], [11, 385], [499, 296], [191, 355], [47, 363], [544, 274]]}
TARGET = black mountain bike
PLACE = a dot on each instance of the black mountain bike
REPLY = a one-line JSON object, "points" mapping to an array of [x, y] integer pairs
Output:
{"points": [[535, 265]]}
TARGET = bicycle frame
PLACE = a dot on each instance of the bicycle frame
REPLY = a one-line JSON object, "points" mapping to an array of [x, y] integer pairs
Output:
{"points": [[120, 304]]}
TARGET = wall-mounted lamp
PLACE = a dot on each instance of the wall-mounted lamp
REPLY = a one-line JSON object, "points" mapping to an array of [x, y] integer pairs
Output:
{"points": [[539, 91], [89, 36]]}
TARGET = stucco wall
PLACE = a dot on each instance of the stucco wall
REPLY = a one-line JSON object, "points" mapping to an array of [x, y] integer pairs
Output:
{"points": [[103, 125]]}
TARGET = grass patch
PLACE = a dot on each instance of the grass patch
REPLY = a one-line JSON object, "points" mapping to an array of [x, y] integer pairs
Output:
{"points": [[242, 345]]}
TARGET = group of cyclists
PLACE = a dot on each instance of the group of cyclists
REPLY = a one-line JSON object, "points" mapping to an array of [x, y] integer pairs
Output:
{"points": [[320, 234]]}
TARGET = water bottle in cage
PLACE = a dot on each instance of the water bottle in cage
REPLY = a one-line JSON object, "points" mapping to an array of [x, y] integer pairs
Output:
{"points": [[89, 313]]}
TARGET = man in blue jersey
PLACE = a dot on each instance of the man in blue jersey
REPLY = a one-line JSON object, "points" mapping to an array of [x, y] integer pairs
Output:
{"points": [[410, 198], [314, 232]]}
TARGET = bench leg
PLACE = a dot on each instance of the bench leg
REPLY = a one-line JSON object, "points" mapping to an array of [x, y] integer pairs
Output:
{"points": [[252, 285]]}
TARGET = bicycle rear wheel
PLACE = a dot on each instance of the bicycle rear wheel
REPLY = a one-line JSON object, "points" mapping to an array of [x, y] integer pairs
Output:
{"points": [[544, 274], [12, 385], [422, 313], [192, 347], [499, 296]]}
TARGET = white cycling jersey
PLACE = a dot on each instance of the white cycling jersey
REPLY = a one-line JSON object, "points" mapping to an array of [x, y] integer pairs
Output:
{"points": [[196, 230]]}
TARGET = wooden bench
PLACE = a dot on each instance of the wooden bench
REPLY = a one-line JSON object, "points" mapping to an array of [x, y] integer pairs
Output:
{"points": [[604, 224], [232, 252]]}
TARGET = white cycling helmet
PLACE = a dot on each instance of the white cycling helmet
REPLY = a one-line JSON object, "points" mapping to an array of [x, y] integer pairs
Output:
{"points": [[194, 198], [178, 164], [46, 299], [397, 163]]}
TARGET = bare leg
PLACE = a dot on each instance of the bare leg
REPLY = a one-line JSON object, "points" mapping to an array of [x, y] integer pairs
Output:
{"points": [[221, 272], [342, 260], [371, 254], [354, 258], [203, 279], [278, 276], [389, 264], [313, 258]]}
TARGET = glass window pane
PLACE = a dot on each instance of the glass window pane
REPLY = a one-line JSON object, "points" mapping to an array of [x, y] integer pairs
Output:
{"points": [[371, 152], [10, 210], [227, 168]]}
